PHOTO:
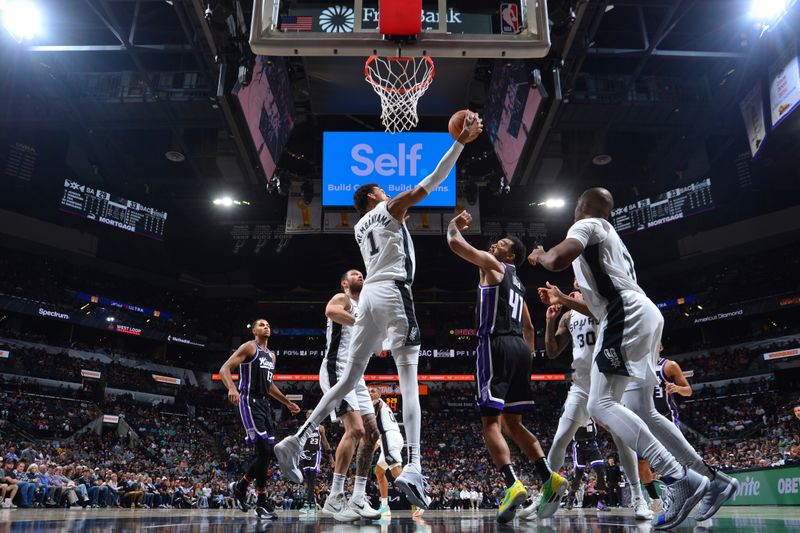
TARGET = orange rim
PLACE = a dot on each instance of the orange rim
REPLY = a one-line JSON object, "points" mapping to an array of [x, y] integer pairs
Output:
{"points": [[423, 84]]}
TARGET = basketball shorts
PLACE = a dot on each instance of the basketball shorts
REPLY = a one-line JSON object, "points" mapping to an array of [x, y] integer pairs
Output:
{"points": [[392, 444], [575, 406], [357, 399], [586, 453], [386, 312], [628, 337], [503, 375], [256, 416], [311, 460]]}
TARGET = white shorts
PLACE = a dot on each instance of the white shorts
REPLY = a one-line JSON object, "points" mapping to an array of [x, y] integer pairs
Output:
{"points": [[628, 338], [356, 400], [391, 450], [575, 406], [386, 321]]}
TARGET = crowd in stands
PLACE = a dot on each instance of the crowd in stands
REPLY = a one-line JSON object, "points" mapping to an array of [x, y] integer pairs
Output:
{"points": [[32, 361]]}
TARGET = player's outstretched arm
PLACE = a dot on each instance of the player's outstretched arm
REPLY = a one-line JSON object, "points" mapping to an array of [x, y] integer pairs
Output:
{"points": [[242, 353], [681, 384], [398, 206], [556, 338], [338, 310], [456, 241], [557, 258], [552, 295]]}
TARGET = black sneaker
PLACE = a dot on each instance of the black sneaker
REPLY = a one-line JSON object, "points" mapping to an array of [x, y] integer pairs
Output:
{"points": [[240, 495], [265, 513]]}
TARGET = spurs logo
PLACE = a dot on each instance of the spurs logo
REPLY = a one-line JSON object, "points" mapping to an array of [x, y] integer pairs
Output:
{"points": [[613, 358]]}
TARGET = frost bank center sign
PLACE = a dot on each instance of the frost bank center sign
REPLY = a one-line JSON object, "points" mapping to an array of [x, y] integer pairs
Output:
{"points": [[336, 18]]}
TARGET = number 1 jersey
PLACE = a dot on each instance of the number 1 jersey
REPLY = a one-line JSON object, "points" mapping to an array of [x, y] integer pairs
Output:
{"points": [[499, 308], [386, 247]]}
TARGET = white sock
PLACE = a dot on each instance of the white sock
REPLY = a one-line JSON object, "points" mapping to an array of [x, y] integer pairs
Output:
{"points": [[385, 501], [360, 486], [338, 484], [409, 388], [636, 491]]}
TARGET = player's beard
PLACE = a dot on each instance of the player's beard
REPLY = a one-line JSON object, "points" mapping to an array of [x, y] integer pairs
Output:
{"points": [[355, 288]]}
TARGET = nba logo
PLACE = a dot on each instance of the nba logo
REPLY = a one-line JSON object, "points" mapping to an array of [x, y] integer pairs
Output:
{"points": [[509, 18]]}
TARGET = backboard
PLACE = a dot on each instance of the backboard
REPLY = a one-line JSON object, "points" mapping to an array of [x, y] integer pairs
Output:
{"points": [[450, 28]]}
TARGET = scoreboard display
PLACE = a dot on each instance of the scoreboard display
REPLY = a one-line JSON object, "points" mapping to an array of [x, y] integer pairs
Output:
{"points": [[100, 206], [667, 207]]}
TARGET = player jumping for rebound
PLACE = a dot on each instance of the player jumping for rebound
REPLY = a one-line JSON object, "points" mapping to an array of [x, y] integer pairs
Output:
{"points": [[627, 343], [386, 312], [256, 367], [355, 409], [579, 326], [505, 348]]}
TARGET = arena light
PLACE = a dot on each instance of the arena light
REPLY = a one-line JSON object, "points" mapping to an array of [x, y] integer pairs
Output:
{"points": [[768, 10], [552, 203], [21, 19], [227, 201]]}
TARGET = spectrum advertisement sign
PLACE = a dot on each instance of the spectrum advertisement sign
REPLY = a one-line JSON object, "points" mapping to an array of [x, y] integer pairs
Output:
{"points": [[396, 162]]}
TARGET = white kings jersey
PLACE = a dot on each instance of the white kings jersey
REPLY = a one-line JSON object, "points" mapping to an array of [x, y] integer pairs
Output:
{"points": [[605, 267], [386, 247], [584, 335], [337, 346], [385, 418]]}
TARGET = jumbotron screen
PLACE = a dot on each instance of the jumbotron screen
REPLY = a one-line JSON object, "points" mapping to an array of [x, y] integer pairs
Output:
{"points": [[672, 205], [100, 206]]}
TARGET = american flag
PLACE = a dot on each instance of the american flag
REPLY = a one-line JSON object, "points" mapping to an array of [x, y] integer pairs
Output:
{"points": [[296, 23]]}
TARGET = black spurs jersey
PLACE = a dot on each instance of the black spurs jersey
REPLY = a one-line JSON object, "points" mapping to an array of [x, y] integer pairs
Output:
{"points": [[500, 307], [255, 374]]}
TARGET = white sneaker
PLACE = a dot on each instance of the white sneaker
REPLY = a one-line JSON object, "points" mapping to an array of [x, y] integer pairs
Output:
{"points": [[412, 483], [334, 503], [656, 505], [347, 514], [288, 452], [529, 512], [360, 505], [641, 511], [722, 488], [679, 499]]}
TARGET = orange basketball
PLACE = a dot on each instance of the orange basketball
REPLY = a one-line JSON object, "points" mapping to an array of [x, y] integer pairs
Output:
{"points": [[456, 125]]}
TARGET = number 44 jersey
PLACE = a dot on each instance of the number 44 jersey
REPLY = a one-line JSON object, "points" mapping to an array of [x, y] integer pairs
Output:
{"points": [[500, 307]]}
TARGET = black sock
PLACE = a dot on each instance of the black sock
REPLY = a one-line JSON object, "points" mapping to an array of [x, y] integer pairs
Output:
{"points": [[261, 498], [509, 476], [542, 470], [651, 490]]}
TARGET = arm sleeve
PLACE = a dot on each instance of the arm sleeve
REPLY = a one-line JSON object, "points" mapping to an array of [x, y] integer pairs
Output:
{"points": [[587, 231], [444, 167]]}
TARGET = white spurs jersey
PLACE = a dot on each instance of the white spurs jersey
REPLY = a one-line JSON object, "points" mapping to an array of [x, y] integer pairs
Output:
{"points": [[605, 267], [385, 418], [584, 335], [386, 246], [337, 345]]}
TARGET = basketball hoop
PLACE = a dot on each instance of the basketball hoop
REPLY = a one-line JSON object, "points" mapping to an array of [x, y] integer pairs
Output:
{"points": [[400, 82]]}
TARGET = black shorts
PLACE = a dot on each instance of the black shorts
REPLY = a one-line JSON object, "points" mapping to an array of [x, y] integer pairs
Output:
{"points": [[503, 375], [585, 453], [256, 416], [311, 460]]}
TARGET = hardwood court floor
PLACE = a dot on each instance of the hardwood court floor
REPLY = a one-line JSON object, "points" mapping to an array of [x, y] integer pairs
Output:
{"points": [[750, 519]]}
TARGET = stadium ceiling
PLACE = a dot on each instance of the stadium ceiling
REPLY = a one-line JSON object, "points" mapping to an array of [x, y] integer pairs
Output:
{"points": [[645, 82]]}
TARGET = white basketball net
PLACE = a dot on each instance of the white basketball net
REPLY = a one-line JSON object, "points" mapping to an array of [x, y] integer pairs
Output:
{"points": [[400, 82]]}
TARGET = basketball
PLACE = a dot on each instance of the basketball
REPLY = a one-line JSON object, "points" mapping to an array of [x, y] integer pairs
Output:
{"points": [[456, 125]]}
